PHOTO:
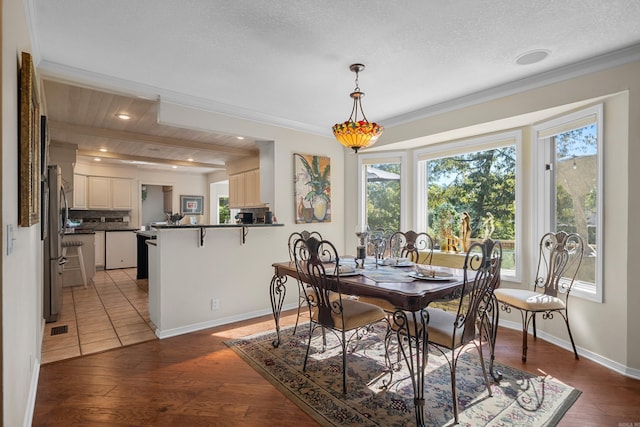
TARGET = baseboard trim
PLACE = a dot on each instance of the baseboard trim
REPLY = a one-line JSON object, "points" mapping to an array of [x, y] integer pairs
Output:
{"points": [[218, 322], [594, 357]]}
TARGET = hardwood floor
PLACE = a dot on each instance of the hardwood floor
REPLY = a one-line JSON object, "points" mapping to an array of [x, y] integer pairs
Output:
{"points": [[196, 380]]}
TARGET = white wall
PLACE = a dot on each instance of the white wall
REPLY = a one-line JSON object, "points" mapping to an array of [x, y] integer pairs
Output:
{"points": [[22, 320]]}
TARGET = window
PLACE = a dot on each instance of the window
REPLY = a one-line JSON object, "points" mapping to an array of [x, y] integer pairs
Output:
{"points": [[382, 179], [476, 180], [224, 214], [569, 169]]}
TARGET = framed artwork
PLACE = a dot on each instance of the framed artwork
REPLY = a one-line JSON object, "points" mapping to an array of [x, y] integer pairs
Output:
{"points": [[44, 186], [191, 205], [29, 146], [312, 183]]}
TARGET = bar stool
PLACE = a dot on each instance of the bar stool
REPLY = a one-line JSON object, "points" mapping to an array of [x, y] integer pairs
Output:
{"points": [[78, 246]]}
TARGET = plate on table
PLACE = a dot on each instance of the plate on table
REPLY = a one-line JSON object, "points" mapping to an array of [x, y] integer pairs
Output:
{"points": [[403, 262], [345, 271], [438, 276]]}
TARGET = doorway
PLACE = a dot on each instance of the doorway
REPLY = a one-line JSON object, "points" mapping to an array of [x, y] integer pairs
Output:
{"points": [[157, 201]]}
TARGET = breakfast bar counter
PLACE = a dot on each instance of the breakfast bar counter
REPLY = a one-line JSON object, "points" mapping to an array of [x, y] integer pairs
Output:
{"points": [[202, 276]]}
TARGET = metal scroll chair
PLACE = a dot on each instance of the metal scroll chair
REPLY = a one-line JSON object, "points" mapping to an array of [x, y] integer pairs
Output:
{"points": [[559, 260], [451, 332], [318, 264], [411, 245], [302, 287]]}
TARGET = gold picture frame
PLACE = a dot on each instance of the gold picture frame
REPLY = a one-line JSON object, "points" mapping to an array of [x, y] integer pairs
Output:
{"points": [[29, 149]]}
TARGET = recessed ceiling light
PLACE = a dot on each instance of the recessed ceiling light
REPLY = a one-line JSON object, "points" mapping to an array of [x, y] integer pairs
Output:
{"points": [[190, 160], [97, 159], [240, 137], [123, 116], [104, 150], [174, 167], [532, 56]]}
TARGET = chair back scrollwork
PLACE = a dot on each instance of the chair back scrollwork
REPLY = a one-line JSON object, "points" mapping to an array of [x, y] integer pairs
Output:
{"points": [[318, 263], [481, 276], [410, 245], [559, 260]]}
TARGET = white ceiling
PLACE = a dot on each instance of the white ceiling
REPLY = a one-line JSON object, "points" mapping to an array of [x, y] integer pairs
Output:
{"points": [[287, 62]]}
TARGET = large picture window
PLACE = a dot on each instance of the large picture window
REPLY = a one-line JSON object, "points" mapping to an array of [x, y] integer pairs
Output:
{"points": [[569, 170], [383, 201], [469, 188]]}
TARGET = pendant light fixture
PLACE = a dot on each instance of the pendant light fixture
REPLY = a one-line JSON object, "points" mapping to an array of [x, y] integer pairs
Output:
{"points": [[354, 133]]}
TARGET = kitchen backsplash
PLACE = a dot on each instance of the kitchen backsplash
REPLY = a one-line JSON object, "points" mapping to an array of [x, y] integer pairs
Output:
{"points": [[101, 220]]}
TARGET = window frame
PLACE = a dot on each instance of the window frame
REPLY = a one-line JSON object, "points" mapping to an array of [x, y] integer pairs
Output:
{"points": [[376, 158], [542, 157], [481, 143]]}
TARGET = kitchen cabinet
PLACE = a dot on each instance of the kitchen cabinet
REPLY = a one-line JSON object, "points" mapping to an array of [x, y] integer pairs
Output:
{"points": [[109, 193], [99, 193], [120, 249], [244, 189], [79, 192], [121, 193], [99, 249]]}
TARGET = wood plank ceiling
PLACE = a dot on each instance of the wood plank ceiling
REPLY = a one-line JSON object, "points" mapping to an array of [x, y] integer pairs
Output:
{"points": [[87, 117]]}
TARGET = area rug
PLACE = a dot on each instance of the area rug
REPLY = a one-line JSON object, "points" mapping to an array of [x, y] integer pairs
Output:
{"points": [[520, 399]]}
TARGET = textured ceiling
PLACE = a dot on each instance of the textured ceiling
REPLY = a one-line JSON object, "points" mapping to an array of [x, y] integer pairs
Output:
{"points": [[286, 62]]}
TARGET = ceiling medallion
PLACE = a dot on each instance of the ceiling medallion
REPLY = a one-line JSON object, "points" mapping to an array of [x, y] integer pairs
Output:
{"points": [[354, 133]]}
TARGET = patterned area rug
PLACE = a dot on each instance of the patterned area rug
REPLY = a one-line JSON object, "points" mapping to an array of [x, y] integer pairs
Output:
{"points": [[520, 399]]}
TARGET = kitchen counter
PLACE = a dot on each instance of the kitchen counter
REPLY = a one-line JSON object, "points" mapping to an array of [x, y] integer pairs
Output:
{"points": [[78, 231], [105, 226], [149, 234], [189, 266], [216, 226]]}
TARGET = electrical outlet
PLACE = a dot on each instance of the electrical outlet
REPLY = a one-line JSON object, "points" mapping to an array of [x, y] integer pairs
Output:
{"points": [[215, 304]]}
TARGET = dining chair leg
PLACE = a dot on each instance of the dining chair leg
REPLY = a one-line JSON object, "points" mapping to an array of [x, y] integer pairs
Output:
{"points": [[526, 318], [535, 335], [297, 318], [454, 394], [306, 356], [344, 363], [573, 344]]}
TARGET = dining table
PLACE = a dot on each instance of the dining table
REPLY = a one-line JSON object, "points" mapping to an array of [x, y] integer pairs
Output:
{"points": [[401, 285]]}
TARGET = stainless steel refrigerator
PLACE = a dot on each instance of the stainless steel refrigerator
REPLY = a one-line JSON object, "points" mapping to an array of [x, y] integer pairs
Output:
{"points": [[53, 260]]}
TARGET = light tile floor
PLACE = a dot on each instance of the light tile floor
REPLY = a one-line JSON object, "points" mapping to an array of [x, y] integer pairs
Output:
{"points": [[112, 312]]}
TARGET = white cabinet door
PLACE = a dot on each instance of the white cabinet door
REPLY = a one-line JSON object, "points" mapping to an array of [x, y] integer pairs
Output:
{"points": [[79, 191], [99, 192], [99, 249], [121, 249], [121, 193]]}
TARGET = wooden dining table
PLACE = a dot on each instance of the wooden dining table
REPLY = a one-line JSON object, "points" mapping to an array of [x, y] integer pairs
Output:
{"points": [[409, 295]]}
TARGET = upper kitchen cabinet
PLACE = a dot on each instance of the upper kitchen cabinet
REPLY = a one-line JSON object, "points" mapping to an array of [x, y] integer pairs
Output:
{"points": [[244, 189], [121, 190], [109, 193], [244, 183], [79, 192]]}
